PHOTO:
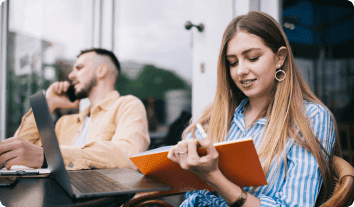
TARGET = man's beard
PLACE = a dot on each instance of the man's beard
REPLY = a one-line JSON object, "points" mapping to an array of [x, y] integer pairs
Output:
{"points": [[84, 92]]}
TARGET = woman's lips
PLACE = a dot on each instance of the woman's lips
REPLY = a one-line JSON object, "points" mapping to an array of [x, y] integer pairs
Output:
{"points": [[247, 83]]}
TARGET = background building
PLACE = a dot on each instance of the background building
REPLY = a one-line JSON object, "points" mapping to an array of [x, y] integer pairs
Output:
{"points": [[31, 66]]}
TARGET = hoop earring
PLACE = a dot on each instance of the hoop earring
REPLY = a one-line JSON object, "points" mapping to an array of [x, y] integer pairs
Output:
{"points": [[276, 73]]}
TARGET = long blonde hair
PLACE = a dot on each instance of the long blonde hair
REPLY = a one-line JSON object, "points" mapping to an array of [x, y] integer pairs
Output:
{"points": [[285, 109]]}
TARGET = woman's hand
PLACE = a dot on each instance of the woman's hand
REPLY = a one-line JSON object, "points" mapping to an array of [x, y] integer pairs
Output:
{"points": [[186, 155], [206, 167]]}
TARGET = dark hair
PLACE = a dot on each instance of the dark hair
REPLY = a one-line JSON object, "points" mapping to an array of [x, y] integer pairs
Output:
{"points": [[102, 51]]}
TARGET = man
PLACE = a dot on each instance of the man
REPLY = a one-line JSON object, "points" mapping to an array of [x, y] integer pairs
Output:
{"points": [[104, 135]]}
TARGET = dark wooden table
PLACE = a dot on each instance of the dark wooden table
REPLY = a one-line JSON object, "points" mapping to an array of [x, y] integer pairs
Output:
{"points": [[47, 192]]}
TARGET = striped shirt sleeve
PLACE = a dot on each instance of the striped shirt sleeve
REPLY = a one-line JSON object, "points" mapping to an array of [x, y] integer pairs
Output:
{"points": [[303, 179]]}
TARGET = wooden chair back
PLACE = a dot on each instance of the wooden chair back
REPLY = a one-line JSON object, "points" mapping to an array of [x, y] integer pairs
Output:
{"points": [[343, 191]]}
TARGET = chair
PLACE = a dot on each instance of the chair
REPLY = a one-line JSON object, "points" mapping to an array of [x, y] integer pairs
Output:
{"points": [[342, 194], [148, 199]]}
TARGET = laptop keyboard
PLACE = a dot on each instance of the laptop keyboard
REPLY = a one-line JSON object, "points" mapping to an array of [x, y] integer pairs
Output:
{"points": [[93, 181]]}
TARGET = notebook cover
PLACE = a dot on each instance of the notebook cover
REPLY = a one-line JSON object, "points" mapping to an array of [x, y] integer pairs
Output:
{"points": [[238, 161]]}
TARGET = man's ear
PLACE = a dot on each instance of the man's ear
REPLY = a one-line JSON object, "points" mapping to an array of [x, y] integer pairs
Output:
{"points": [[281, 56], [103, 70]]}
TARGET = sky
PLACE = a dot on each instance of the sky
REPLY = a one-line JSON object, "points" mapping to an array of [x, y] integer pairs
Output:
{"points": [[147, 31]]}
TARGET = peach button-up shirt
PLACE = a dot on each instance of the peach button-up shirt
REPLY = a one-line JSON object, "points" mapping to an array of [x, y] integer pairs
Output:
{"points": [[118, 130]]}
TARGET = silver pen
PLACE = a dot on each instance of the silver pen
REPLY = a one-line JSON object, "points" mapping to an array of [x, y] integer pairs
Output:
{"points": [[201, 131]]}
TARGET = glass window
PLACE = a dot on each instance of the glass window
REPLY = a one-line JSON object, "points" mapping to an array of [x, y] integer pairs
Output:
{"points": [[148, 37], [156, 55], [44, 39]]}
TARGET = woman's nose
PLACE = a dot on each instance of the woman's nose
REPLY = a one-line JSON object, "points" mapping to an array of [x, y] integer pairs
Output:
{"points": [[242, 69]]}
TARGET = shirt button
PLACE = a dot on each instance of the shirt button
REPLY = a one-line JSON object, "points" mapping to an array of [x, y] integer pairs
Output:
{"points": [[71, 165]]}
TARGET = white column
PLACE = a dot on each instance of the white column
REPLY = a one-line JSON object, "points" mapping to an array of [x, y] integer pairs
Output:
{"points": [[3, 69], [215, 15], [87, 20], [103, 13], [242, 7], [96, 23], [101, 29], [273, 8], [106, 28]]}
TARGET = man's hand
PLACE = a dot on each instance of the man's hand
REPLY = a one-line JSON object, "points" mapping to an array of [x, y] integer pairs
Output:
{"points": [[57, 98], [17, 151]]}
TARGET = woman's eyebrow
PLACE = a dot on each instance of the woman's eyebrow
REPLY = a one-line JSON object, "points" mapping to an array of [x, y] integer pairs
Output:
{"points": [[249, 50], [244, 52]]}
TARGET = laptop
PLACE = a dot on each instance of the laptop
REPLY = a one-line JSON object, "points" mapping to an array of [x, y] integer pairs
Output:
{"points": [[85, 183]]}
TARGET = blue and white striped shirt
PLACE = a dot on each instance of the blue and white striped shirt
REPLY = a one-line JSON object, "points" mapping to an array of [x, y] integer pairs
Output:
{"points": [[301, 183]]}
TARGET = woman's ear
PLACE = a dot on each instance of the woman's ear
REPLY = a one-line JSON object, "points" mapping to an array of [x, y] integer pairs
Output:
{"points": [[102, 70], [281, 56]]}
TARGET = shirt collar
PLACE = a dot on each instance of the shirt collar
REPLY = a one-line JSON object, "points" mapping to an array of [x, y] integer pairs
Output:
{"points": [[81, 116], [103, 105], [239, 113], [106, 103], [241, 107]]}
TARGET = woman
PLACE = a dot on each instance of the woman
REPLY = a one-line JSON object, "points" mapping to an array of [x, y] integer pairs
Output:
{"points": [[261, 94]]}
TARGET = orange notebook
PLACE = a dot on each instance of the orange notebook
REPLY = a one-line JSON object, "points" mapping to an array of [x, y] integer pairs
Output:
{"points": [[238, 161]]}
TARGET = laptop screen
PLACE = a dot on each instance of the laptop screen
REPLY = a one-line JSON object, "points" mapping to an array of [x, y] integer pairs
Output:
{"points": [[49, 140]]}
